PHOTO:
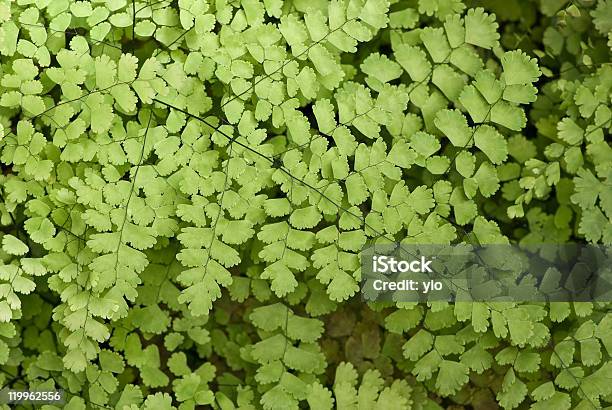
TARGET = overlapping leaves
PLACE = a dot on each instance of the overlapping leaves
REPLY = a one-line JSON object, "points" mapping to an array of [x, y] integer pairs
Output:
{"points": [[176, 168]]}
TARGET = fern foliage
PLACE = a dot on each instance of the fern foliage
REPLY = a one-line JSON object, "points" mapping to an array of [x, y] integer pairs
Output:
{"points": [[187, 185]]}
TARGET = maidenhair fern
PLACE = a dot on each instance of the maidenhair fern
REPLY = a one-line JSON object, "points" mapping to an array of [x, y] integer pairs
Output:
{"points": [[187, 186]]}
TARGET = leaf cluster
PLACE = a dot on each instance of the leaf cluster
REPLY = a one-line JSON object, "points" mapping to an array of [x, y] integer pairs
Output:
{"points": [[187, 185]]}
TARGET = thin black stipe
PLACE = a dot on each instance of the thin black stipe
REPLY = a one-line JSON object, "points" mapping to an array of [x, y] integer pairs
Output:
{"points": [[280, 168]]}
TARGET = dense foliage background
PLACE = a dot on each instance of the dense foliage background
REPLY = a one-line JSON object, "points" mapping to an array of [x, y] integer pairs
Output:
{"points": [[186, 186]]}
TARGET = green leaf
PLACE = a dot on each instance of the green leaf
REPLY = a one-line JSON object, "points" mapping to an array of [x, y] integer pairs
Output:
{"points": [[413, 60], [454, 126], [569, 131], [13, 246], [381, 68], [513, 391], [319, 397], [425, 144], [418, 345], [451, 378], [475, 104], [519, 68], [436, 44], [402, 320], [481, 28], [508, 115], [492, 143], [465, 164]]}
